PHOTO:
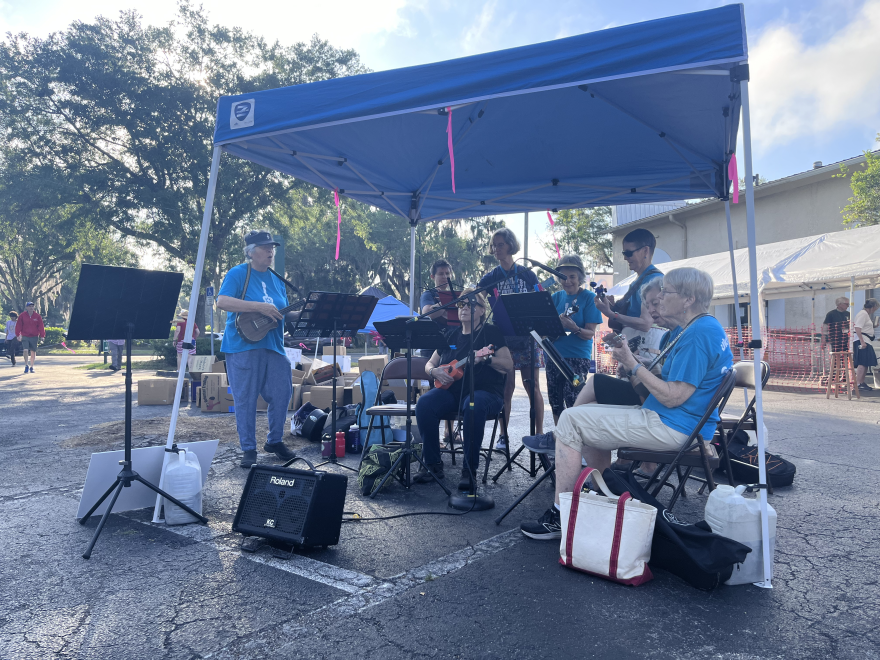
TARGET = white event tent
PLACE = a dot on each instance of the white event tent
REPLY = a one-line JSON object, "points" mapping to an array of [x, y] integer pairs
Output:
{"points": [[632, 114]]}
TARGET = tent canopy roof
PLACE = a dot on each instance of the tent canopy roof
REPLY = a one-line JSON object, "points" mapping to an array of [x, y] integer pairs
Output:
{"points": [[788, 269], [625, 115], [386, 309]]}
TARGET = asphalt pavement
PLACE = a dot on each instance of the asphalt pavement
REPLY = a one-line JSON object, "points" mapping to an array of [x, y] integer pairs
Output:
{"points": [[423, 586]]}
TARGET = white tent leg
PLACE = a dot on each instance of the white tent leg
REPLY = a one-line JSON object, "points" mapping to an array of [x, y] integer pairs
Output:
{"points": [[756, 335], [412, 267], [739, 331], [193, 303], [852, 296], [813, 334]]}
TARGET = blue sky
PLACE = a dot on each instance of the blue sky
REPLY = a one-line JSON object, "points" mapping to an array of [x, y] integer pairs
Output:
{"points": [[815, 63]]}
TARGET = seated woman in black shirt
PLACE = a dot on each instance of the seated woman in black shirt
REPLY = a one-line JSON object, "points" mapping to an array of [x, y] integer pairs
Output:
{"points": [[439, 403]]}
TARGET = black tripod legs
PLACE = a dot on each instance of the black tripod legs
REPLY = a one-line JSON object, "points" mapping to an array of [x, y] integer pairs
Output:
{"points": [[123, 480]]}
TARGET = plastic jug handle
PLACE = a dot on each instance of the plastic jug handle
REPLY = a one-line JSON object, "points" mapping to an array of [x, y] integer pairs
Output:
{"points": [[739, 490], [181, 457]]}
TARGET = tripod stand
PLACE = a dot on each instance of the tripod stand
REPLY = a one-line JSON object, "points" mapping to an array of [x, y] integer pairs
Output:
{"points": [[336, 315], [111, 302]]}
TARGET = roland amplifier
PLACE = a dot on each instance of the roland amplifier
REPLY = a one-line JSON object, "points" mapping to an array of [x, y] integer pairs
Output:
{"points": [[298, 507]]}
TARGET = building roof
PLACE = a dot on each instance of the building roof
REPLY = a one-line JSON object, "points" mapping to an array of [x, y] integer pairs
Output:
{"points": [[769, 188]]}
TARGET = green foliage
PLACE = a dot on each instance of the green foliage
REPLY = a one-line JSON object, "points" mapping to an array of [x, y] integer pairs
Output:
{"points": [[863, 209], [165, 350], [584, 232], [203, 347], [54, 335]]}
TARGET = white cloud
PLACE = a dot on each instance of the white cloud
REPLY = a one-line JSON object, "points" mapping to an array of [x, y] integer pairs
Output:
{"points": [[799, 90], [472, 39]]}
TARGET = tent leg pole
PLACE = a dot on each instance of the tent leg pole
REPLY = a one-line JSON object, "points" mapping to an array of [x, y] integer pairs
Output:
{"points": [[756, 335], [412, 265], [813, 335], [193, 302], [739, 332]]}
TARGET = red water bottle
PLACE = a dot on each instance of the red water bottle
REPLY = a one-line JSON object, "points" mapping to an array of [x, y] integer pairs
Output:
{"points": [[340, 443]]}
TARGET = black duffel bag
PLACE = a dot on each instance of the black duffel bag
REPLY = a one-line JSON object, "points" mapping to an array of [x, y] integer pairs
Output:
{"points": [[744, 463], [694, 553]]}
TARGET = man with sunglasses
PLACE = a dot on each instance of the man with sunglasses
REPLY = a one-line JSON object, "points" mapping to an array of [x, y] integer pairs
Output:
{"points": [[628, 315]]}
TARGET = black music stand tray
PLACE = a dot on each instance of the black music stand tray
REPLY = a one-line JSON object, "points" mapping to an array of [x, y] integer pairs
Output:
{"points": [[410, 334], [528, 312], [114, 302], [334, 315]]}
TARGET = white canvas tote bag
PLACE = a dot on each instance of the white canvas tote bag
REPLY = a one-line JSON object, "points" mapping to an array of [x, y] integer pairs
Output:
{"points": [[609, 537]]}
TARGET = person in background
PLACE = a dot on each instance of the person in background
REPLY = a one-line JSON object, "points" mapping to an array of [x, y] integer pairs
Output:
{"points": [[835, 327], [864, 356], [29, 329], [180, 333], [576, 346], [693, 370], [117, 346], [441, 294], [511, 278], [11, 340], [260, 368]]}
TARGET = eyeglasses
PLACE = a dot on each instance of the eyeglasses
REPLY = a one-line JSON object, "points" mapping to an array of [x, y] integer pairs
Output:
{"points": [[464, 304], [628, 253], [664, 290]]}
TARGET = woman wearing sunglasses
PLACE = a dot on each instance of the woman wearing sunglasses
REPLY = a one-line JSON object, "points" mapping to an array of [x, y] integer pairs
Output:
{"points": [[454, 395]]}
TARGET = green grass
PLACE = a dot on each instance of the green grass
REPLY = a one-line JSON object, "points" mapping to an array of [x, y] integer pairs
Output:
{"points": [[150, 365], [60, 350]]}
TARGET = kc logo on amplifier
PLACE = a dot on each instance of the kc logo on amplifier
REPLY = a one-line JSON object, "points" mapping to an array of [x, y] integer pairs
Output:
{"points": [[269, 523], [278, 481]]}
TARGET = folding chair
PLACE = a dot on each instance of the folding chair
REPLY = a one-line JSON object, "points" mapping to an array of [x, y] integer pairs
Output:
{"points": [[684, 457]]}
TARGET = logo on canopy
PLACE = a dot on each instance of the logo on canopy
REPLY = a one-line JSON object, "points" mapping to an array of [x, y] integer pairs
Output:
{"points": [[242, 114]]}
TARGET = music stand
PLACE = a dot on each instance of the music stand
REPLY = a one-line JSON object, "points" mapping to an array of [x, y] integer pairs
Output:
{"points": [[334, 315], [411, 334], [530, 312], [113, 302]]}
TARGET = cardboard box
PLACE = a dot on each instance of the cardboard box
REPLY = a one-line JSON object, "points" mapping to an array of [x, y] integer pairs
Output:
{"points": [[296, 398], [306, 398], [297, 376], [320, 373], [350, 378], [374, 363], [219, 367], [199, 364], [321, 396], [356, 395], [343, 361], [328, 350], [160, 391], [216, 396]]}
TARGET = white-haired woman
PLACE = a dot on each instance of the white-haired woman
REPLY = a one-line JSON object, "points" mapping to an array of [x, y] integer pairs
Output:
{"points": [[692, 372], [509, 277], [259, 368]]}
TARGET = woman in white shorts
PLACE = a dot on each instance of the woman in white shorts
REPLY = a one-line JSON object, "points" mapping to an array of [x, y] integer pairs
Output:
{"points": [[691, 374]]}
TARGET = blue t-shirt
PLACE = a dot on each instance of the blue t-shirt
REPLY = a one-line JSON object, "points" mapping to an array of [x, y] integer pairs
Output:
{"points": [[701, 357], [263, 287], [517, 280], [635, 302], [569, 345]]}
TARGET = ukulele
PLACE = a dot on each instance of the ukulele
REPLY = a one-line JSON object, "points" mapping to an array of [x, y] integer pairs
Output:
{"points": [[253, 326], [456, 367], [616, 340]]}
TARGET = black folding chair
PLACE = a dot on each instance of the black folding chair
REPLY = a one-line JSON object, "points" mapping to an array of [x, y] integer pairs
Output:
{"points": [[688, 457]]}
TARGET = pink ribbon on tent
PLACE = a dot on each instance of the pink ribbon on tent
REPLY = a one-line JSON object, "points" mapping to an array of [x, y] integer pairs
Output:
{"points": [[733, 176], [338, 222], [449, 143], [65, 347], [553, 230]]}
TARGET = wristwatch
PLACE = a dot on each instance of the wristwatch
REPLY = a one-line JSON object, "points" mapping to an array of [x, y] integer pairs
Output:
{"points": [[635, 369]]}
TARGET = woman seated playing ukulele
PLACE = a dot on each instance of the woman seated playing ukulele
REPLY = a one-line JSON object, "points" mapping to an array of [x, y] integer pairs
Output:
{"points": [[453, 395]]}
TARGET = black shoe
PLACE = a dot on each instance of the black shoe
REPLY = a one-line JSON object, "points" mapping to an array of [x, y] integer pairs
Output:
{"points": [[546, 528], [466, 483], [423, 476], [865, 387], [249, 458], [279, 450]]}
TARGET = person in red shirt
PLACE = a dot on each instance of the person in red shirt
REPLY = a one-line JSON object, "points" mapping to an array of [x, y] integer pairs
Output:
{"points": [[29, 329]]}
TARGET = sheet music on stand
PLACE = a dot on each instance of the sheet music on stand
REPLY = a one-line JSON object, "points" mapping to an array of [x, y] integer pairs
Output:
{"points": [[533, 311], [425, 334]]}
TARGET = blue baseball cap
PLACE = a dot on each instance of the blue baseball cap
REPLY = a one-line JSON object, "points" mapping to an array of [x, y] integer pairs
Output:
{"points": [[29, 304]]}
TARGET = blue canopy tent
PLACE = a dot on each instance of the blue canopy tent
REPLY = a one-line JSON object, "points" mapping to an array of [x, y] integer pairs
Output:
{"points": [[386, 309], [644, 112]]}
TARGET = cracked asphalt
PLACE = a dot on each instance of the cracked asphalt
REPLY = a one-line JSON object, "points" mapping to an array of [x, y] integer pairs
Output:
{"points": [[426, 586]]}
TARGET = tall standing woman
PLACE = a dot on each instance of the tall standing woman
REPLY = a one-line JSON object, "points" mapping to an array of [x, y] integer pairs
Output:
{"points": [[259, 368], [512, 278]]}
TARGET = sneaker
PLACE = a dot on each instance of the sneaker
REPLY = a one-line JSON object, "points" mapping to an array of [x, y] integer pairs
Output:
{"points": [[501, 444], [546, 528], [540, 444], [466, 483], [249, 458], [25, 368], [865, 387], [32, 370], [423, 476], [280, 450]]}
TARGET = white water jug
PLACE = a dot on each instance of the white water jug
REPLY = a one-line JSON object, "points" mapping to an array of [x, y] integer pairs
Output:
{"points": [[183, 480], [732, 515]]}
